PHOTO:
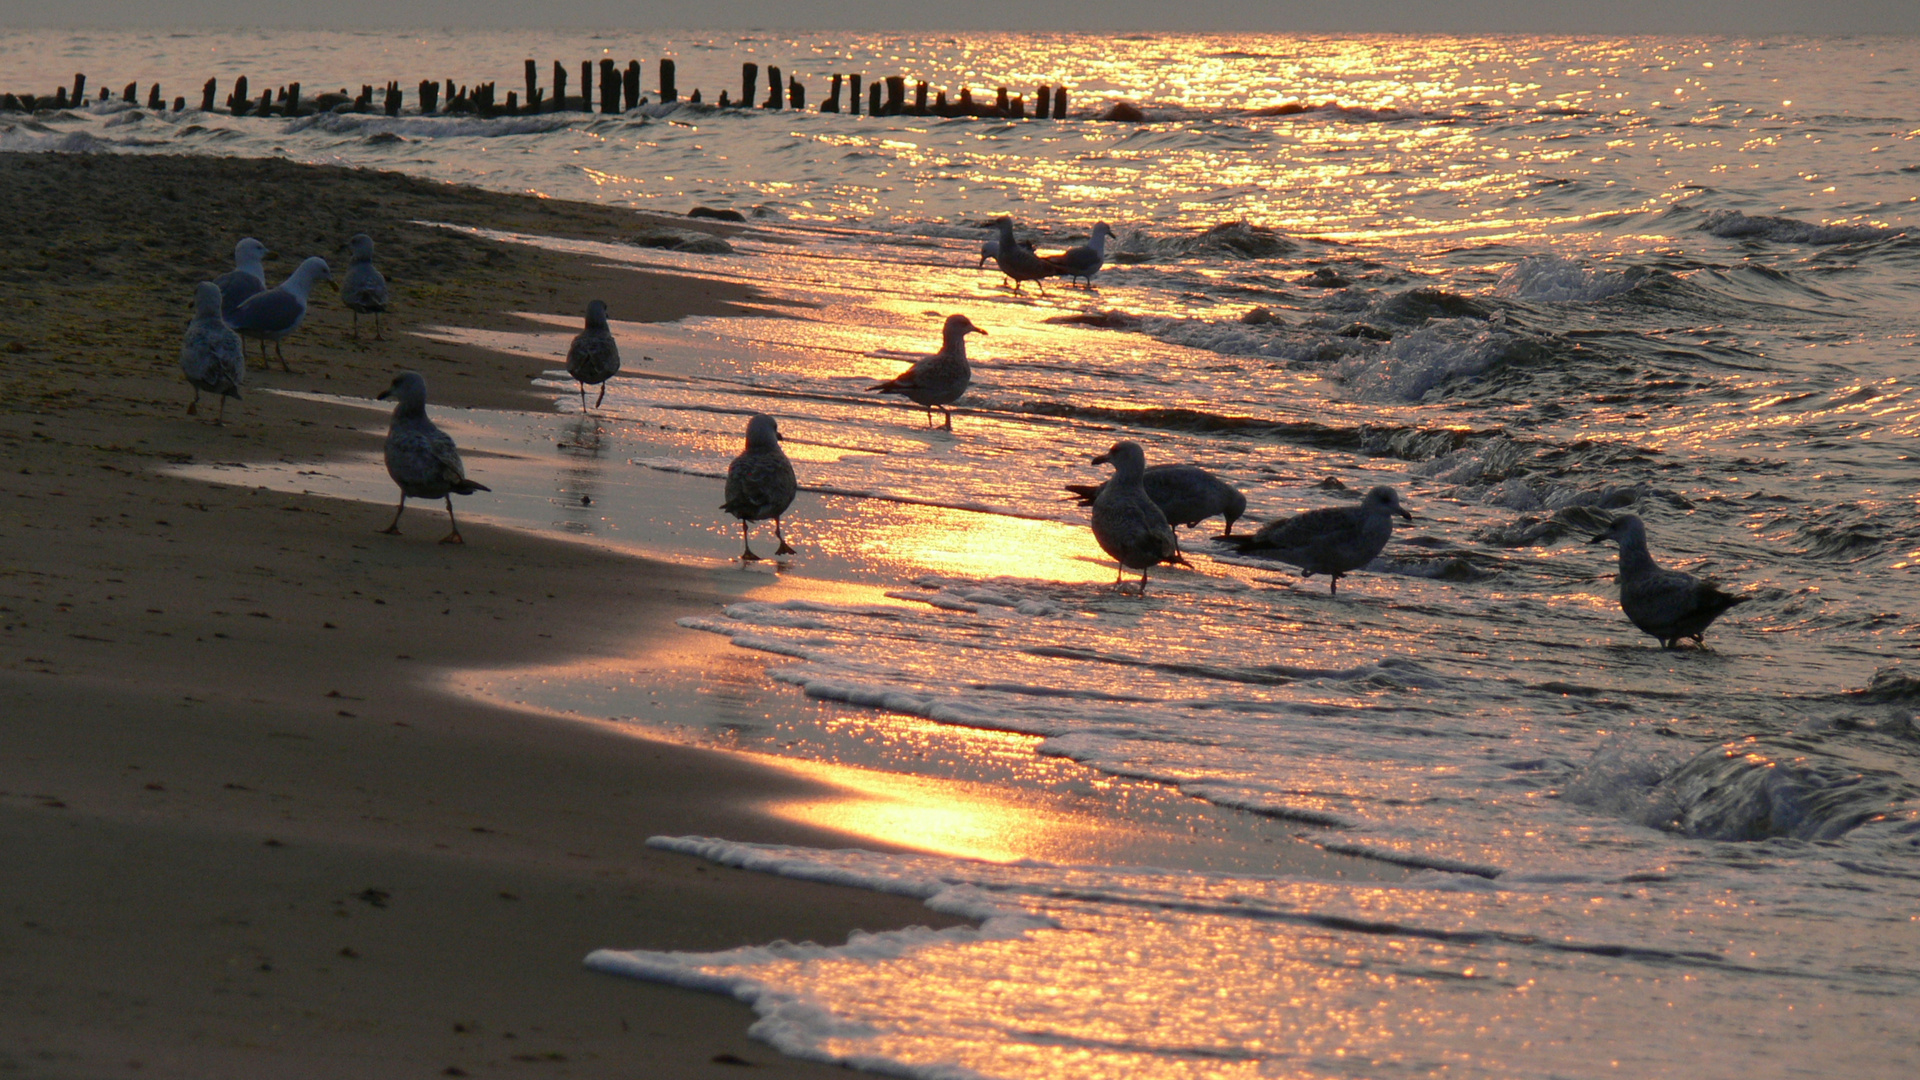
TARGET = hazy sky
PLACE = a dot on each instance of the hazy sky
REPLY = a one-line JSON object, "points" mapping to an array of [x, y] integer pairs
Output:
{"points": [[1731, 17]]}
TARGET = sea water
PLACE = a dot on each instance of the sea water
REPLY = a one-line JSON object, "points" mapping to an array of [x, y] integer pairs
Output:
{"points": [[1530, 282]]}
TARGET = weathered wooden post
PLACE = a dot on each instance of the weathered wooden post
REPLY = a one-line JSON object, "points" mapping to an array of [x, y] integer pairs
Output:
{"points": [[873, 100], [920, 98], [630, 85], [533, 85], [1000, 102], [513, 102], [266, 103], [393, 99], [832, 104], [940, 107], [1042, 102], [586, 86], [896, 94], [668, 91], [59, 97], [429, 96], [853, 94], [293, 99], [609, 87], [1059, 103], [749, 80], [105, 93], [180, 104], [966, 101], [773, 88], [239, 103], [129, 96], [796, 93], [79, 89], [696, 96], [154, 100], [207, 91], [559, 86], [1018, 110]]}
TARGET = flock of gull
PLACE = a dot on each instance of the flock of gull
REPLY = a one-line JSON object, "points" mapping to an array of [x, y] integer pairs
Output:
{"points": [[1134, 512]]}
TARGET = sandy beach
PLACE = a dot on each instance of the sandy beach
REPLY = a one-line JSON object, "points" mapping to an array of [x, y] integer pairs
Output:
{"points": [[244, 835]]}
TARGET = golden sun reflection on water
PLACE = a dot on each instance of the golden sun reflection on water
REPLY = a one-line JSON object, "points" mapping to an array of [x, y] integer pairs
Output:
{"points": [[964, 542]]}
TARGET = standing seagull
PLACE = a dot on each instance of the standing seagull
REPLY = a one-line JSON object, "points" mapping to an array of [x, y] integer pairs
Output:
{"points": [[1084, 261], [248, 276], [420, 457], [1126, 522], [593, 357], [1020, 263], [1186, 494], [938, 380], [272, 315], [760, 483], [1333, 540], [1667, 604], [364, 291], [212, 356], [991, 247]]}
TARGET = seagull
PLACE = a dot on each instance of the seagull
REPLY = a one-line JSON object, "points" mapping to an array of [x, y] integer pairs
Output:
{"points": [[1186, 494], [760, 483], [938, 380], [1333, 540], [272, 315], [364, 291], [990, 249], [1667, 604], [212, 356], [593, 357], [420, 457], [247, 277], [1084, 261], [1020, 263], [1126, 522]]}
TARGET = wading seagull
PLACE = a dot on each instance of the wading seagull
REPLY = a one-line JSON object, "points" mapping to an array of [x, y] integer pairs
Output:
{"points": [[1020, 263], [593, 357], [1334, 540], [248, 276], [1186, 494], [938, 380], [990, 248], [420, 457], [1667, 604], [212, 356], [1126, 522], [1084, 261], [272, 315], [760, 483], [364, 291]]}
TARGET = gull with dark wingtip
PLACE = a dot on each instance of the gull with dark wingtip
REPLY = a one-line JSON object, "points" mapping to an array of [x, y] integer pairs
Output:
{"points": [[760, 483], [1666, 604], [365, 289], [1186, 494], [1085, 260], [248, 276], [1019, 262], [278, 312], [1333, 540], [594, 357], [938, 380], [211, 356], [421, 458], [1126, 522]]}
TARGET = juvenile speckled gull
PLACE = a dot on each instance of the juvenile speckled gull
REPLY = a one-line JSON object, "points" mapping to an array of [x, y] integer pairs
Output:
{"points": [[1333, 540], [1126, 522], [938, 380], [211, 356], [248, 276], [593, 357], [1020, 263], [420, 457], [272, 315], [1186, 494], [760, 483], [1667, 604], [364, 291], [1085, 260]]}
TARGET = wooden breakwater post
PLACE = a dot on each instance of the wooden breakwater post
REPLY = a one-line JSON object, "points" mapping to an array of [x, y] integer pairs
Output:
{"points": [[896, 95], [207, 91], [749, 81], [429, 96], [586, 86], [773, 88], [796, 94], [832, 104], [533, 86], [630, 84], [668, 91], [873, 100], [853, 94], [609, 87], [559, 86]]}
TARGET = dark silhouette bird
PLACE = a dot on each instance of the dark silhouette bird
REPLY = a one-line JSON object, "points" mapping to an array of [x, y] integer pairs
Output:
{"points": [[938, 380], [211, 356], [1666, 604], [1333, 540], [1020, 263], [760, 483], [420, 457], [1186, 494], [1126, 522], [1085, 260], [364, 291], [593, 357]]}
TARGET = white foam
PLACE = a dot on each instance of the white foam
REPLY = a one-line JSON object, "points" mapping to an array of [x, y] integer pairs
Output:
{"points": [[1553, 279]]}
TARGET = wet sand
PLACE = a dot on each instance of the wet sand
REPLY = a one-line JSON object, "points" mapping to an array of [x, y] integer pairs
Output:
{"points": [[243, 834]]}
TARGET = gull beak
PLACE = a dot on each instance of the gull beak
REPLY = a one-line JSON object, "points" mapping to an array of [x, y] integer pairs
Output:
{"points": [[383, 394], [1101, 460], [1601, 539], [1404, 512]]}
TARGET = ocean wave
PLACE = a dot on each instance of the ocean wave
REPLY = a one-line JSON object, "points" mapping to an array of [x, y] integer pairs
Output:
{"points": [[1227, 240], [1734, 225], [1552, 279], [1747, 791], [1416, 364], [431, 127]]}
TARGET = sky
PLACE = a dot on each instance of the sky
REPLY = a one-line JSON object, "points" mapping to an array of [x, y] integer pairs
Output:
{"points": [[1731, 17]]}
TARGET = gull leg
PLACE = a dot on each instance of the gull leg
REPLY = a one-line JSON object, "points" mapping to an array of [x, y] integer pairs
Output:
{"points": [[784, 548], [602, 397], [393, 527], [220, 418], [376, 327], [583, 394], [746, 549], [280, 356], [1143, 583], [193, 407], [356, 326], [454, 536], [944, 411]]}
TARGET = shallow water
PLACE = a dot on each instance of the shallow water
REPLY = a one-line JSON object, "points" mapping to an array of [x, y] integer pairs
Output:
{"points": [[1531, 283]]}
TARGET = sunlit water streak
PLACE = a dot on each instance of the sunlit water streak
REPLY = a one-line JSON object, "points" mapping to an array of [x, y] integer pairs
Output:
{"points": [[1531, 283]]}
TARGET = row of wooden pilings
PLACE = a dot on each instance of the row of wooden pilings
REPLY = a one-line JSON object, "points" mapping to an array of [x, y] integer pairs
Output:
{"points": [[619, 90]]}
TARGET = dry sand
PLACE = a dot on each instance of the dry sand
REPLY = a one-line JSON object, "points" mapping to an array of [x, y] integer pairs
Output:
{"points": [[240, 834]]}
